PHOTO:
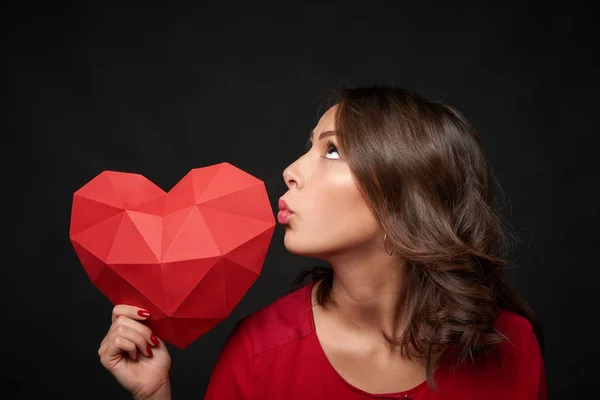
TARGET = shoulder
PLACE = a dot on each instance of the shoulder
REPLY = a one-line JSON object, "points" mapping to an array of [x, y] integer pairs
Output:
{"points": [[512, 369], [512, 323], [528, 365], [518, 331], [286, 319]]}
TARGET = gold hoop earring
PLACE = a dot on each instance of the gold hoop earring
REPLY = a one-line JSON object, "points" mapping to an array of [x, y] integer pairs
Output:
{"points": [[385, 247]]}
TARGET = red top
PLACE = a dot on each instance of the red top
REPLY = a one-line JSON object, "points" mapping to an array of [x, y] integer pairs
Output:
{"points": [[275, 354]]}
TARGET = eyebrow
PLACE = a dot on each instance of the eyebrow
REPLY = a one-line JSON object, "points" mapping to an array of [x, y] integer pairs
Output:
{"points": [[322, 135]]}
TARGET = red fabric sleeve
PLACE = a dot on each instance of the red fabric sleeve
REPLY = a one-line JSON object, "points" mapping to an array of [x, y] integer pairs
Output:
{"points": [[232, 376], [532, 374]]}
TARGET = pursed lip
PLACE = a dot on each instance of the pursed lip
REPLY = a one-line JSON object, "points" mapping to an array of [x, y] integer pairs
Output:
{"points": [[285, 213], [283, 206]]}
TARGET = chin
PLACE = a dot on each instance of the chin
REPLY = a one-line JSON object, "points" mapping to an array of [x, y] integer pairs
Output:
{"points": [[302, 247], [293, 245]]}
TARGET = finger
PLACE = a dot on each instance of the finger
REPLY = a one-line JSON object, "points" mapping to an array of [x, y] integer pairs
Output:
{"points": [[137, 326], [114, 348], [131, 335], [132, 312]]}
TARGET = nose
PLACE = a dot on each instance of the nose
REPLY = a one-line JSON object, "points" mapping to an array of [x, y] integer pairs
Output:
{"points": [[291, 176]]}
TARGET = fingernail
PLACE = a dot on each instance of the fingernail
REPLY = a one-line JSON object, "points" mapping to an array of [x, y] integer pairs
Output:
{"points": [[154, 340], [149, 350], [144, 313]]}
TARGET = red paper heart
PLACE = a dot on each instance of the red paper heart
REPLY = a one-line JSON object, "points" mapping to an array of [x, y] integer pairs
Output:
{"points": [[188, 255]]}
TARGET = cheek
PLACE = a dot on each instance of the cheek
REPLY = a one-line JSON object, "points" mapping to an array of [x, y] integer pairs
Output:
{"points": [[339, 212], [341, 199]]}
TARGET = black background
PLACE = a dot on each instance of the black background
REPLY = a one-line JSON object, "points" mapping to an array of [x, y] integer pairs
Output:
{"points": [[159, 89]]}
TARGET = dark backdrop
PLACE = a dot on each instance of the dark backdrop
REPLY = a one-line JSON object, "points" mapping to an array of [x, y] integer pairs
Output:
{"points": [[159, 89]]}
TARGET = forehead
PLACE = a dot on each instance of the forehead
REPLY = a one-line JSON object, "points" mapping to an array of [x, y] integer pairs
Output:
{"points": [[327, 121]]}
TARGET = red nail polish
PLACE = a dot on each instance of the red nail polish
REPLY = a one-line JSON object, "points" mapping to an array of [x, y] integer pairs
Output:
{"points": [[149, 350], [154, 340], [144, 313]]}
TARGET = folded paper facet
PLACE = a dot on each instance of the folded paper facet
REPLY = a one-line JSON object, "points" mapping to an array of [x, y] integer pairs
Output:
{"points": [[188, 255]]}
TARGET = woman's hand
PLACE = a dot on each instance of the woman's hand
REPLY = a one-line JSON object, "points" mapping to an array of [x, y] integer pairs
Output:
{"points": [[134, 355]]}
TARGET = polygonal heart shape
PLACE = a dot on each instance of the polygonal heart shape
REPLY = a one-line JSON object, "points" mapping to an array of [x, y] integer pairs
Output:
{"points": [[188, 255]]}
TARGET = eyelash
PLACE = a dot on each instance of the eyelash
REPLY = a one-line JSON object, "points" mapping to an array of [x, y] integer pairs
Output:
{"points": [[329, 145]]}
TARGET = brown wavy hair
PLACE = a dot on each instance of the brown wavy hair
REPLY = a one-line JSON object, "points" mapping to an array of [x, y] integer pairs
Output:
{"points": [[422, 169]]}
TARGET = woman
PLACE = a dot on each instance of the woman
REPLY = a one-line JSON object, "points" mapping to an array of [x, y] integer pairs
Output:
{"points": [[395, 193]]}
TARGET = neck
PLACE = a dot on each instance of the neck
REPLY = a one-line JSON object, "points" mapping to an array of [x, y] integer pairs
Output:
{"points": [[368, 291]]}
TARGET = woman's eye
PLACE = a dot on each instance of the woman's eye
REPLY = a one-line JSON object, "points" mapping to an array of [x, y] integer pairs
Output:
{"points": [[332, 148]]}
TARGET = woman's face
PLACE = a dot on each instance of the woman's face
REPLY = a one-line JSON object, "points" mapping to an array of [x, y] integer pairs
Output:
{"points": [[328, 213]]}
